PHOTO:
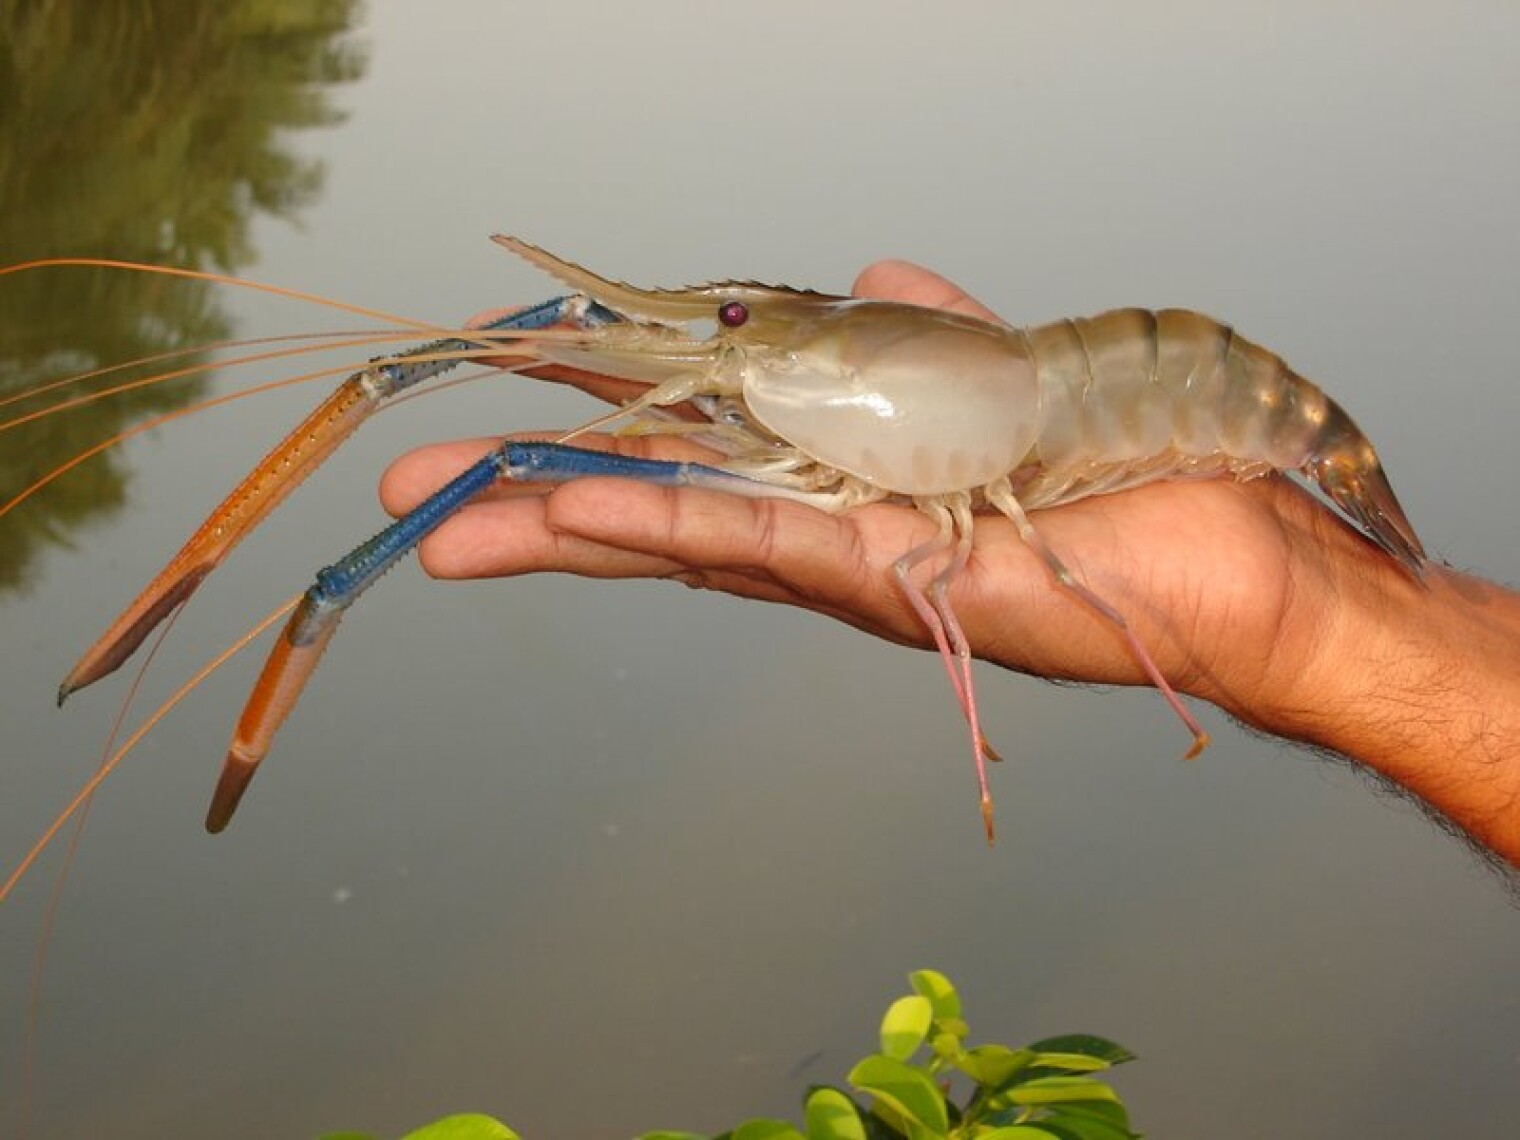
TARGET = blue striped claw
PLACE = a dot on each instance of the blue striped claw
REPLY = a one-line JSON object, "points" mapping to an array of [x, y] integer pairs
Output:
{"points": [[312, 626]]}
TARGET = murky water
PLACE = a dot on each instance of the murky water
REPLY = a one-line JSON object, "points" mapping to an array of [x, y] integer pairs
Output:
{"points": [[604, 857]]}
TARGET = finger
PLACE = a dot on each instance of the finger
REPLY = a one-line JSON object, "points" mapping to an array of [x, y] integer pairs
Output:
{"points": [[895, 280], [827, 562], [508, 537], [417, 474], [521, 536]]}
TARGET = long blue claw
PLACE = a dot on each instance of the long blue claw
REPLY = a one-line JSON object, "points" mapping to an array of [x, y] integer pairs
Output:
{"points": [[311, 627], [338, 586]]}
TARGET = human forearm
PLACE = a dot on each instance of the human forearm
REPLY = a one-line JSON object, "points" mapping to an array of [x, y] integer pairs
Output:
{"points": [[1423, 686]]}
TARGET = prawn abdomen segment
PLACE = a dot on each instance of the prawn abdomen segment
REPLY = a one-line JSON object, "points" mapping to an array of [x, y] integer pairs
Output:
{"points": [[1131, 396], [1132, 384], [1269, 414], [912, 401]]}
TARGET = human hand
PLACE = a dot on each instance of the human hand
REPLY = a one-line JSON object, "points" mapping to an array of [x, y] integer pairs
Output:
{"points": [[1251, 595], [1210, 574]]}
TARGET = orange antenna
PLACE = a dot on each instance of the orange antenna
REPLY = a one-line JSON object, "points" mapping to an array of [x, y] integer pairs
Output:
{"points": [[204, 405], [357, 339], [218, 279]]}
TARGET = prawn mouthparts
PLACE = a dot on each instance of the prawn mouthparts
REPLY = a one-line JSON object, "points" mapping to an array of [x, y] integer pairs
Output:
{"points": [[829, 401]]}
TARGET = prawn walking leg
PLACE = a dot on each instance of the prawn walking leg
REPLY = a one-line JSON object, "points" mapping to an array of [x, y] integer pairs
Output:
{"points": [[1000, 495], [933, 609]]}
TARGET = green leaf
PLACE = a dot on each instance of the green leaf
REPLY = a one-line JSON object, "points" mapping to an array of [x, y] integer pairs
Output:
{"points": [[904, 1089], [1093, 1120], [994, 1065], [937, 988], [830, 1115], [1088, 1044], [1070, 1062], [1059, 1090], [466, 1126], [1111, 1111], [947, 1047], [1019, 1132], [952, 1025], [1064, 1129], [763, 1129], [905, 1026]]}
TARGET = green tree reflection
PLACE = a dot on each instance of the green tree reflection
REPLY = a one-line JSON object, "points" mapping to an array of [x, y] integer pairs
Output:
{"points": [[142, 130]]}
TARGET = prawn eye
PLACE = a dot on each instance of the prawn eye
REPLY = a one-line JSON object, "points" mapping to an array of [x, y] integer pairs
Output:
{"points": [[732, 314]]}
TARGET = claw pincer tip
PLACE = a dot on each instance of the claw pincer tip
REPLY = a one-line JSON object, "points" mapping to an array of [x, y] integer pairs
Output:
{"points": [[237, 774], [291, 662]]}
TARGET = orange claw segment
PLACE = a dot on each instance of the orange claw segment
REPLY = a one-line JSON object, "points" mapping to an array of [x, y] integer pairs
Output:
{"points": [[160, 600], [265, 487], [285, 674], [237, 774]]}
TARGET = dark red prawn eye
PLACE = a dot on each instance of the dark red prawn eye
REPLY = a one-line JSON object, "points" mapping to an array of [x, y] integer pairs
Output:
{"points": [[732, 314]]}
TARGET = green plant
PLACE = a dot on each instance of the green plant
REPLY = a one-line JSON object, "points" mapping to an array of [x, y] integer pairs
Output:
{"points": [[1043, 1091]]}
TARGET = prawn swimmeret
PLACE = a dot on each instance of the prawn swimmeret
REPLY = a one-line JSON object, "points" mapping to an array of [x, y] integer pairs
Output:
{"points": [[829, 401]]}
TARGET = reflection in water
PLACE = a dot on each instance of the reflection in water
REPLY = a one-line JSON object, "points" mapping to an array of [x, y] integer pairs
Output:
{"points": [[142, 130]]}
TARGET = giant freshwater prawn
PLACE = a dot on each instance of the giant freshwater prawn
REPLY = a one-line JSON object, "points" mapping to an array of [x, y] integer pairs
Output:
{"points": [[829, 401]]}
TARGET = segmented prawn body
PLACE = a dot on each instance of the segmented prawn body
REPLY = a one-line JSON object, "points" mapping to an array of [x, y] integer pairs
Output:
{"points": [[830, 401]]}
